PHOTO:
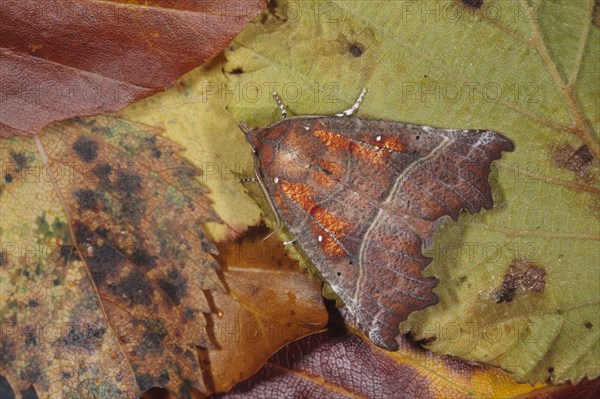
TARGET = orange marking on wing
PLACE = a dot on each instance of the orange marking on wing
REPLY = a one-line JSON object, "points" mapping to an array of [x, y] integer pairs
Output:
{"points": [[303, 195], [332, 167], [390, 143], [322, 180], [331, 140]]}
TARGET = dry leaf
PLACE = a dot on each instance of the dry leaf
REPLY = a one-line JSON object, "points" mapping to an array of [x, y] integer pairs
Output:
{"points": [[63, 59], [104, 262], [337, 364], [270, 302]]}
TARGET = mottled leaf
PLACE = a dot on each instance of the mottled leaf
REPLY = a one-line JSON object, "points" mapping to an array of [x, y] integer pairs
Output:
{"points": [[69, 58], [193, 114], [103, 262], [527, 268]]}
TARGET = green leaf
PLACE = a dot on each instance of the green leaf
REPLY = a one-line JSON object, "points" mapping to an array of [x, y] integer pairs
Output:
{"points": [[193, 114], [519, 284]]}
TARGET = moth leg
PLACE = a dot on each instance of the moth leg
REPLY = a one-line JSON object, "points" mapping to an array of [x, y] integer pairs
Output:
{"points": [[290, 242], [350, 110], [281, 107]]}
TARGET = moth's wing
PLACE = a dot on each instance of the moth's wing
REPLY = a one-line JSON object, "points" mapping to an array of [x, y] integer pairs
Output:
{"points": [[451, 168], [362, 197]]}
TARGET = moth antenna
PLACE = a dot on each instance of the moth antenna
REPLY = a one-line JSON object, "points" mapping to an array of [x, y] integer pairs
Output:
{"points": [[359, 100], [261, 183], [281, 107], [248, 180]]}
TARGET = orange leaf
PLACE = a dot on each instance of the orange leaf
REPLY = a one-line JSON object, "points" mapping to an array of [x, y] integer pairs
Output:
{"points": [[270, 303]]}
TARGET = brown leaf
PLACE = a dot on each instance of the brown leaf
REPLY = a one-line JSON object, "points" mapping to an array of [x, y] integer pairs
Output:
{"points": [[114, 305], [62, 59], [270, 302], [336, 364]]}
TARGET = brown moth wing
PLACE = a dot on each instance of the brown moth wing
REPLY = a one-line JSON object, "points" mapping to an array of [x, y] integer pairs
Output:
{"points": [[362, 198]]}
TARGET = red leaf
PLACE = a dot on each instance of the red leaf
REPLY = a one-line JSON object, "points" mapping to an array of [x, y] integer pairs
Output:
{"points": [[65, 58]]}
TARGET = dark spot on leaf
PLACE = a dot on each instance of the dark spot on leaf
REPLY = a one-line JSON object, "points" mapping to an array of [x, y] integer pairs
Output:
{"points": [[30, 336], [154, 335], [576, 160], [339, 273], [272, 6], [418, 137], [156, 153], [462, 279], [164, 378], [103, 261], [86, 149], [141, 257], [174, 286], [185, 172], [551, 369], [68, 253], [32, 303], [189, 313], [86, 199], [32, 372], [237, 71], [356, 49], [88, 336], [475, 4], [7, 349], [135, 288], [588, 325], [522, 273], [82, 233], [3, 259], [8, 178], [128, 184], [596, 14], [19, 159], [102, 171], [132, 209], [102, 232], [144, 381]]}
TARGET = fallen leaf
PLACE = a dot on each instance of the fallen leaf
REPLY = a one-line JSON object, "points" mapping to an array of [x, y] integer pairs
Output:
{"points": [[529, 73], [63, 59], [193, 114], [270, 302], [103, 262], [338, 364]]}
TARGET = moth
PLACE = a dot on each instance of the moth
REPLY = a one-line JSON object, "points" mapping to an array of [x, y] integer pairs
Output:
{"points": [[363, 199]]}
